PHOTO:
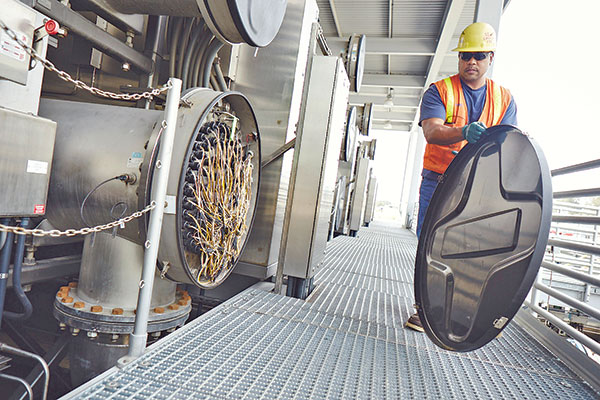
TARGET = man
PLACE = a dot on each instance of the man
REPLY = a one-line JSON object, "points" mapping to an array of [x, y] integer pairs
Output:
{"points": [[457, 110]]}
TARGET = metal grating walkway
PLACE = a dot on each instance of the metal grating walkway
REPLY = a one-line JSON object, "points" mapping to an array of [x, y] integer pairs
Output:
{"points": [[346, 341]]}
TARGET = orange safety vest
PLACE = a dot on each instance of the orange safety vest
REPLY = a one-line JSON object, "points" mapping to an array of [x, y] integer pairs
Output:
{"points": [[497, 99]]}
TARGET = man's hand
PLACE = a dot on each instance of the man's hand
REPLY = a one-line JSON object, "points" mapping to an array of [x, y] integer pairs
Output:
{"points": [[473, 131]]}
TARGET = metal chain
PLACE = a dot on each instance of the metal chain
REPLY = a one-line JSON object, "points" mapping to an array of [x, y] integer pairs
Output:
{"points": [[17, 230], [79, 84]]}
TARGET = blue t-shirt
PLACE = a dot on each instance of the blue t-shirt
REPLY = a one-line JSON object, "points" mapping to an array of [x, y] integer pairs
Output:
{"points": [[433, 107]]}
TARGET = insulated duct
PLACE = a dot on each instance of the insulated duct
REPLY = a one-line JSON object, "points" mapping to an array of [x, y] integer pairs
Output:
{"points": [[254, 22]]}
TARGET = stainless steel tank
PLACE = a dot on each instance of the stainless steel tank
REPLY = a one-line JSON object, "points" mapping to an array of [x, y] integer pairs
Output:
{"points": [[97, 142]]}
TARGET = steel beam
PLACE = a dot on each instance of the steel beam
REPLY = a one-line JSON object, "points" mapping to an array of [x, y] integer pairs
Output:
{"points": [[335, 18], [359, 99], [393, 46], [395, 81], [102, 40]]}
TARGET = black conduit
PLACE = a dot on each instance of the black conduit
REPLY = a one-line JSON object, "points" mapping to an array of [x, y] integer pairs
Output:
{"points": [[187, 31], [4, 264], [207, 36], [189, 53], [176, 32], [209, 57], [16, 278]]}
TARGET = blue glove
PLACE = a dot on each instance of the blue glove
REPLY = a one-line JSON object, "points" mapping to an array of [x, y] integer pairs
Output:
{"points": [[473, 131]]}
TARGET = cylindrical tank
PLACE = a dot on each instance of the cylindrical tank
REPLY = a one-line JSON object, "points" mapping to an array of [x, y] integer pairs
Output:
{"points": [[213, 181]]}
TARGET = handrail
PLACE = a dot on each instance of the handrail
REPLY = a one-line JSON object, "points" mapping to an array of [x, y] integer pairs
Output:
{"points": [[589, 216]]}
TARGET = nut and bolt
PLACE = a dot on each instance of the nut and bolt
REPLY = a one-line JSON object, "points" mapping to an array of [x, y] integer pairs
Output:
{"points": [[159, 310], [92, 335], [182, 302], [79, 304], [96, 309], [155, 334], [117, 311], [114, 337], [74, 331], [62, 326], [67, 300], [73, 284], [173, 307]]}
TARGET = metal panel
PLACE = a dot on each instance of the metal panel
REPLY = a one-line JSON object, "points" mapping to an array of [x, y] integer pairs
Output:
{"points": [[273, 78], [14, 61], [371, 197], [359, 196], [26, 146], [322, 126], [24, 97]]}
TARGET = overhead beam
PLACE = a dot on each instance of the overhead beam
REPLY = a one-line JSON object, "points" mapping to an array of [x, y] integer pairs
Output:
{"points": [[394, 115], [336, 21], [358, 99], [393, 46], [395, 81]]}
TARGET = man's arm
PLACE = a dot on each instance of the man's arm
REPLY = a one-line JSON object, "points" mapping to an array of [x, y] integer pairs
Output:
{"points": [[437, 133]]}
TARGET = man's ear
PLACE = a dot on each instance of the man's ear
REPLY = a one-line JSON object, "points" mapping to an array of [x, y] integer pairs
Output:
{"points": [[491, 57]]}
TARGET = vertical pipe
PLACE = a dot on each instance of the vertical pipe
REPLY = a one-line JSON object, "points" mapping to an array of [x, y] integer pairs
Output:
{"points": [[4, 264], [138, 338], [209, 57], [16, 278], [157, 47]]}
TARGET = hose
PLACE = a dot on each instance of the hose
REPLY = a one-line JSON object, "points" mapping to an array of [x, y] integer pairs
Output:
{"points": [[207, 36], [173, 47], [209, 57], [188, 54], [219, 76], [4, 264], [16, 278], [198, 49], [187, 31]]}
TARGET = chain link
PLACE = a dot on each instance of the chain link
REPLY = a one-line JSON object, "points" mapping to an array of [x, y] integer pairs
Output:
{"points": [[79, 84], [18, 230]]}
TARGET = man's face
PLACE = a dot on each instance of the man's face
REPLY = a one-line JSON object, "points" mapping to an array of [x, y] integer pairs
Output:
{"points": [[472, 67]]}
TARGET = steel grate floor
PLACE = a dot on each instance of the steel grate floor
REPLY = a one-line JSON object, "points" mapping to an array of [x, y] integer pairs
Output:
{"points": [[345, 341]]}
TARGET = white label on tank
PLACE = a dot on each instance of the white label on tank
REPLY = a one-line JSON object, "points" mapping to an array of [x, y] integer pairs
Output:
{"points": [[135, 160], [37, 167], [170, 204], [8, 47]]}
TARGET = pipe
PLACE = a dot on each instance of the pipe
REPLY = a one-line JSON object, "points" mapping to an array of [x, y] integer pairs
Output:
{"points": [[16, 278], [4, 264], [173, 47], [18, 352], [139, 337], [21, 381], [187, 31], [188, 55], [209, 57], [207, 36], [219, 76], [157, 50]]}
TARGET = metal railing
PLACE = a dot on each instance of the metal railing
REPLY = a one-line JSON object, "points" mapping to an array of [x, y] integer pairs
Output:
{"points": [[572, 261]]}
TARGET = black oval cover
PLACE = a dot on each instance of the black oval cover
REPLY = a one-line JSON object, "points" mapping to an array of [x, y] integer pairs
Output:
{"points": [[258, 21], [483, 239]]}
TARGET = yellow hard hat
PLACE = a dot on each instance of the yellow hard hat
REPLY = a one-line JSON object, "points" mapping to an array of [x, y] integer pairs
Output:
{"points": [[478, 36]]}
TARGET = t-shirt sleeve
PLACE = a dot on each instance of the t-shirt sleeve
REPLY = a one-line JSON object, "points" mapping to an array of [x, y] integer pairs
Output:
{"points": [[510, 117], [432, 105]]}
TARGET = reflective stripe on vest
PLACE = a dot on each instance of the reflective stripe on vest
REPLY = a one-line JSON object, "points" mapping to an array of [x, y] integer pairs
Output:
{"points": [[450, 101], [497, 93]]}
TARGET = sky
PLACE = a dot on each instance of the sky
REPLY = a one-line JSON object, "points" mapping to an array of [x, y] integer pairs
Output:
{"points": [[548, 57]]}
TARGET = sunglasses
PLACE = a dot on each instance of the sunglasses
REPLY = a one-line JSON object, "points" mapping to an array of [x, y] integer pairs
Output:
{"points": [[466, 56]]}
